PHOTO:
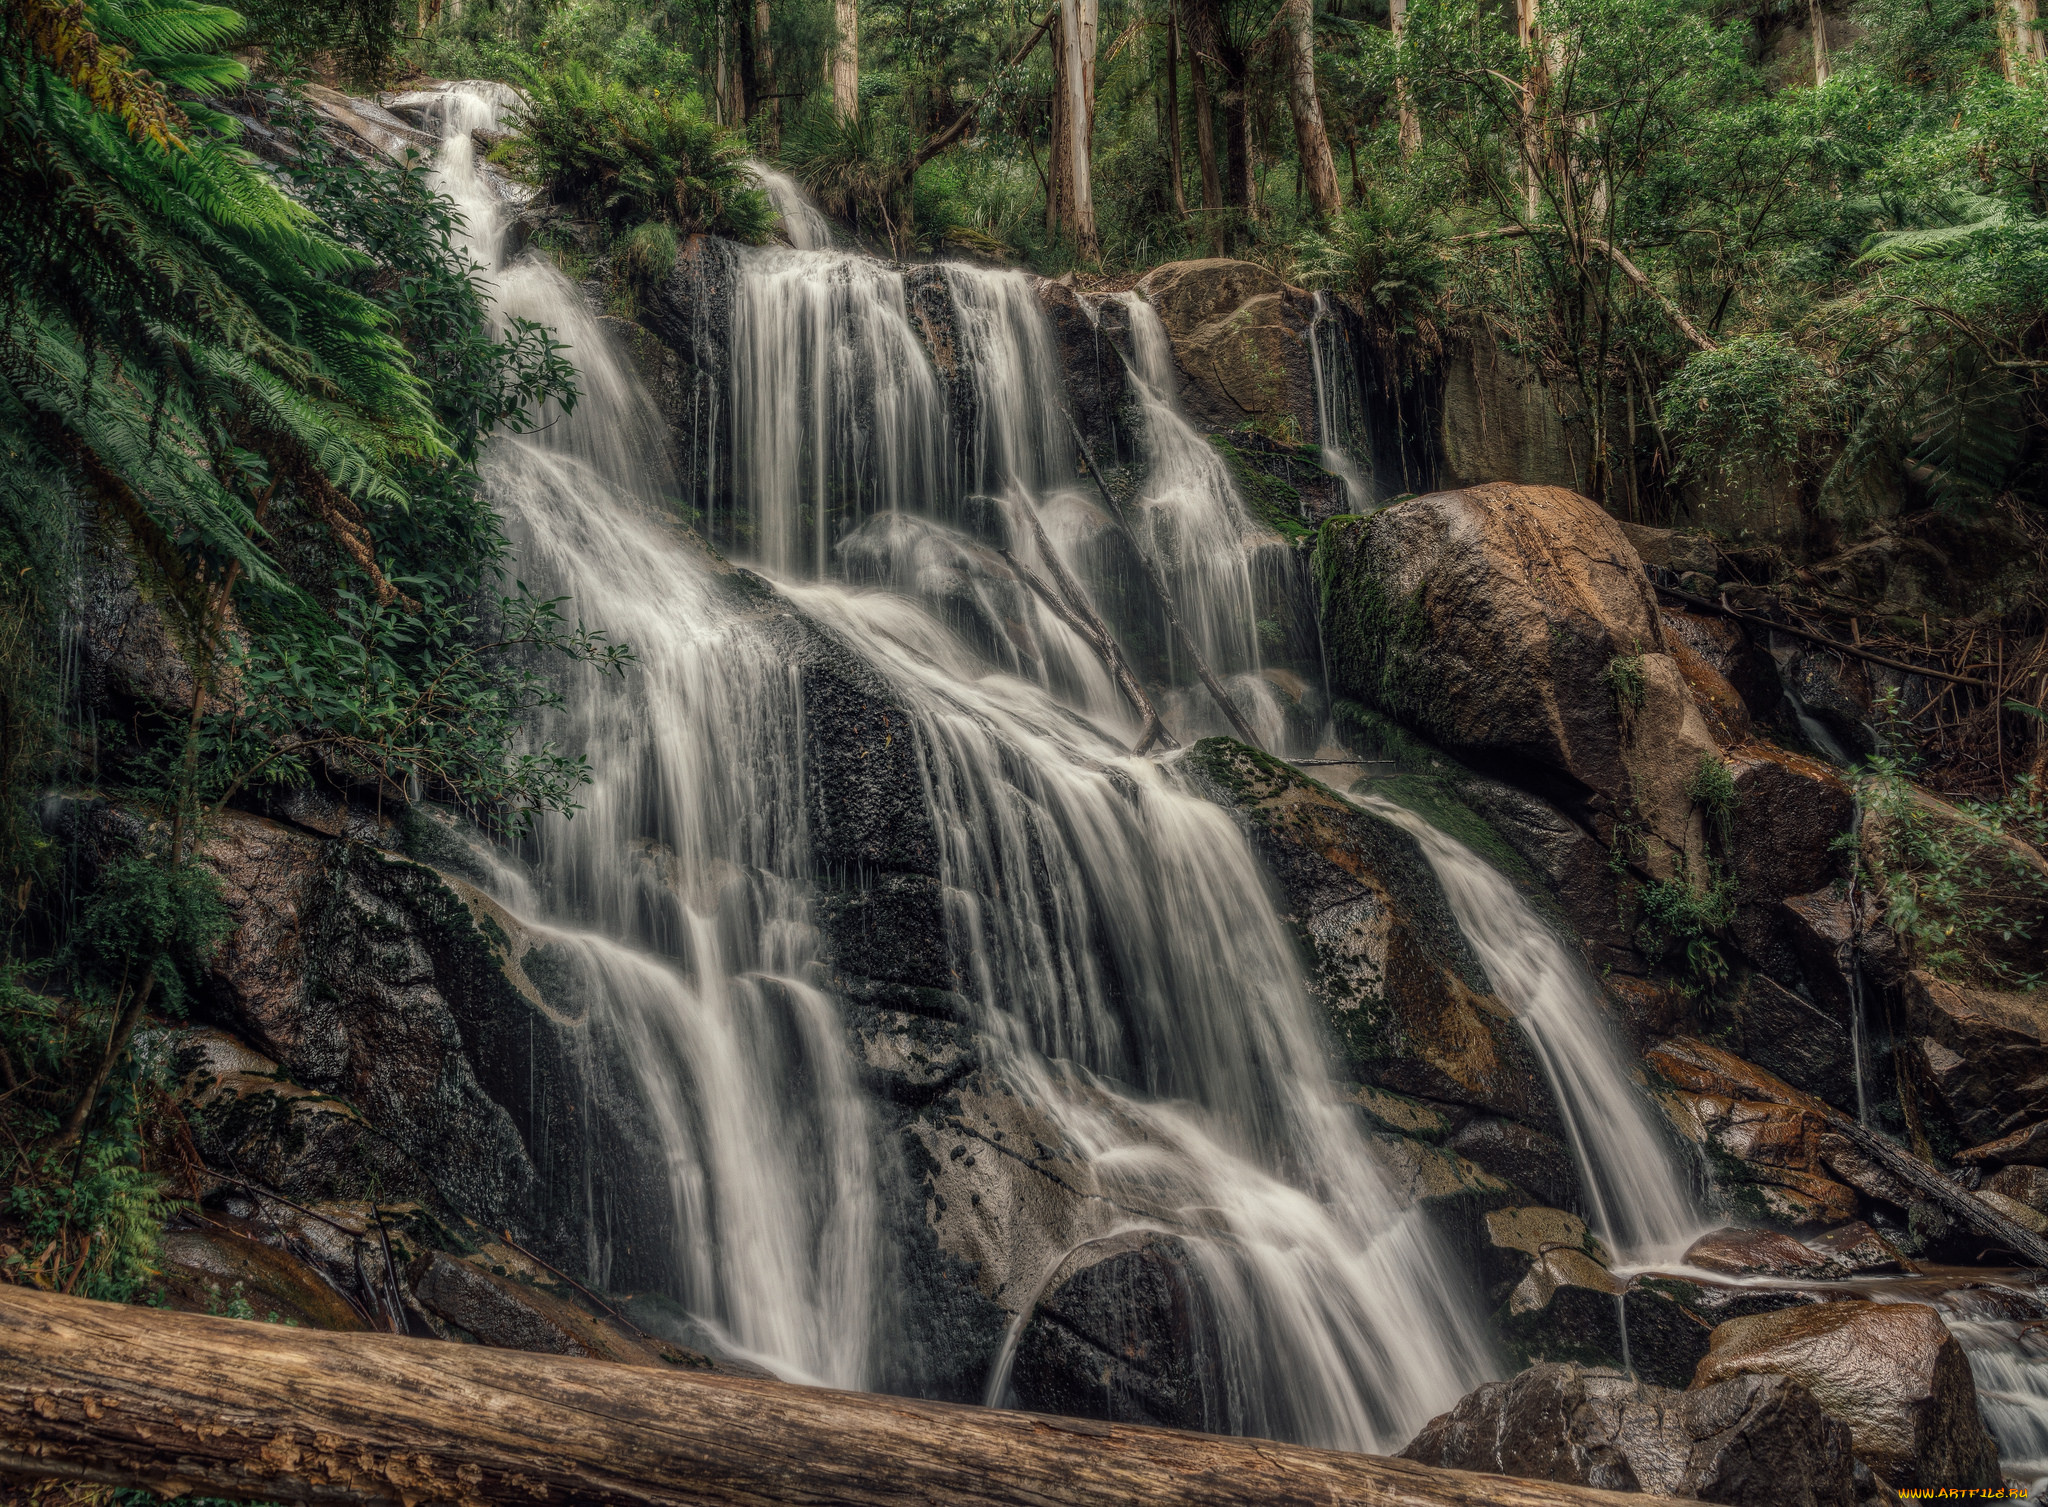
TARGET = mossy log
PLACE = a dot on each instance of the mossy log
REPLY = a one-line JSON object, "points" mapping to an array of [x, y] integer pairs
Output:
{"points": [[98, 1392]]}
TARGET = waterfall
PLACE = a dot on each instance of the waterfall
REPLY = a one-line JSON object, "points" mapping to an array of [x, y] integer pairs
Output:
{"points": [[1129, 977], [1635, 1185], [1334, 406], [802, 221]]}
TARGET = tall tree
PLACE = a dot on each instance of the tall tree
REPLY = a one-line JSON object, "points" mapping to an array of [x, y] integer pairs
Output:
{"points": [[1205, 123], [1298, 19], [764, 73], [1820, 41], [1210, 40], [843, 65], [1410, 126], [1070, 201], [1180, 197]]}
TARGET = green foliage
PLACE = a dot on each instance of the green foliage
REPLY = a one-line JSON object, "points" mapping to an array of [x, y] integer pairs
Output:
{"points": [[646, 253], [1757, 395], [1677, 919], [1712, 789], [1381, 254], [88, 1221], [623, 158], [1965, 885], [1624, 676]]}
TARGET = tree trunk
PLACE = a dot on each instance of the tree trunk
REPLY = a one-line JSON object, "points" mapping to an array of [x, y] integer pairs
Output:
{"points": [[1311, 141], [1180, 197], [180, 1403], [1818, 22], [1205, 125], [1409, 131], [844, 62], [764, 76], [1070, 208]]}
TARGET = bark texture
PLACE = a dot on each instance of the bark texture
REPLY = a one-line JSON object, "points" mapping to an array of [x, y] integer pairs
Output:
{"points": [[1319, 169], [845, 60], [1070, 201], [180, 1403]]}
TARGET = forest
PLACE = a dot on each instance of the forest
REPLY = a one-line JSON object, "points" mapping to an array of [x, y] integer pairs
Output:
{"points": [[462, 809]]}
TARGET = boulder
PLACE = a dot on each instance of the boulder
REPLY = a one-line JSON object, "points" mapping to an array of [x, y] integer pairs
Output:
{"points": [[1891, 1372], [1126, 1337], [1856, 1247], [2026, 1147], [1498, 422], [1761, 1253], [1764, 1138], [1983, 1053], [1791, 1037], [1088, 339], [1537, 1163], [1821, 931], [221, 1271], [1788, 812], [1513, 626], [1406, 1001], [1548, 1275], [2021, 1183], [1752, 1440], [493, 1307], [1239, 338]]}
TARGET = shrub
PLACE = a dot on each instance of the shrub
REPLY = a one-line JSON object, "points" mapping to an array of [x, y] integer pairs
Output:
{"points": [[622, 158]]}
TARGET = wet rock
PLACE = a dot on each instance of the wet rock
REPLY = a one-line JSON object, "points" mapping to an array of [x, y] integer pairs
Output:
{"points": [[964, 584], [1089, 338], [1670, 1320], [497, 1310], [245, 1113], [2027, 1147], [258, 982], [1568, 859], [1513, 626], [1239, 337], [1407, 1002], [1820, 930], [1762, 1253], [1401, 1114], [221, 1272], [1537, 1163], [893, 929], [1549, 1278], [1681, 551], [367, 122], [907, 1058], [1788, 812], [2021, 1183], [1890, 1371], [1127, 1337], [1754, 1440], [1768, 1024], [1840, 1156], [1726, 715], [1856, 1247], [1498, 422], [1453, 1194], [1724, 646], [1763, 1136], [1984, 1054]]}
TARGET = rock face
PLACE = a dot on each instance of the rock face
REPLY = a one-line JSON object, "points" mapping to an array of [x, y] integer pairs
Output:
{"points": [[1513, 626], [1890, 1371], [1752, 1440], [1777, 1159], [1238, 333], [1407, 1002], [1984, 1054]]}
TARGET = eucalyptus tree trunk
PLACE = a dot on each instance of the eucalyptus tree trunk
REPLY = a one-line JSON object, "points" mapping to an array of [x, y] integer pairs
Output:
{"points": [[764, 78], [844, 64], [1318, 167], [1070, 204], [1180, 197], [1410, 127], [1205, 120], [1820, 41]]}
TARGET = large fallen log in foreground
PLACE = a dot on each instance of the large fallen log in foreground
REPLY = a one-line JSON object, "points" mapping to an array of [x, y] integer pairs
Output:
{"points": [[176, 1402]]}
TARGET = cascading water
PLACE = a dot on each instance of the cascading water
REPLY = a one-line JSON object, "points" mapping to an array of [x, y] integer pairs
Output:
{"points": [[1334, 407], [1130, 978], [802, 221], [1635, 1186]]}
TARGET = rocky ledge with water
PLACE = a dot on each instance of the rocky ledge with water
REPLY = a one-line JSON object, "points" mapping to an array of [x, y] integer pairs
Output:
{"points": [[1485, 1067]]}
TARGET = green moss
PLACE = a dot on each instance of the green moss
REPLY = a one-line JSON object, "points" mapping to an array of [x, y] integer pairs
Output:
{"points": [[1273, 501], [1373, 642]]}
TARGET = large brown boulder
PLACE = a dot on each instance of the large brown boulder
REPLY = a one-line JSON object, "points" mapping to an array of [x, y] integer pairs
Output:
{"points": [[1890, 1371], [1753, 1440], [1513, 625], [1239, 337], [1788, 812], [1984, 1053], [1408, 1004], [1770, 1141]]}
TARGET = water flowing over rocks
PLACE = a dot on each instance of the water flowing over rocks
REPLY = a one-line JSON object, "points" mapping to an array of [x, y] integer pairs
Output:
{"points": [[885, 1023]]}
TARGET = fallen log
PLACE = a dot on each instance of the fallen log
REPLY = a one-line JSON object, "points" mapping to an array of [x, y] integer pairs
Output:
{"points": [[103, 1393]]}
